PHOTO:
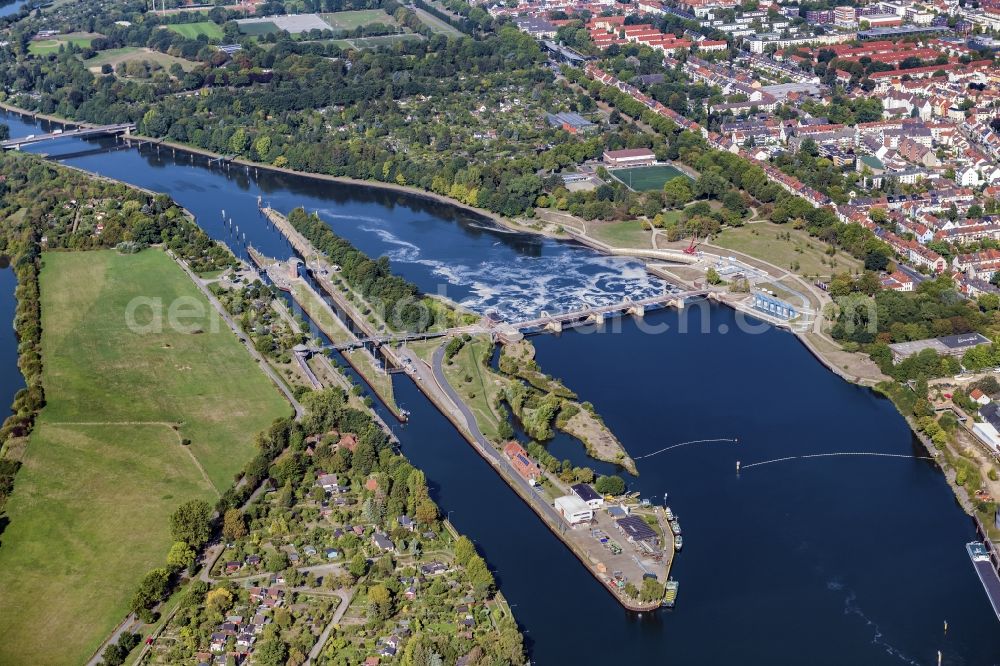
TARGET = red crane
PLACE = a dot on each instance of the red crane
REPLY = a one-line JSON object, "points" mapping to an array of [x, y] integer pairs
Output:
{"points": [[693, 247]]}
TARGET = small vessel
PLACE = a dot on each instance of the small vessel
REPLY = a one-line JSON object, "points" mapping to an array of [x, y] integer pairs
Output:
{"points": [[670, 593], [977, 551], [675, 527], [669, 513], [678, 542], [988, 576]]}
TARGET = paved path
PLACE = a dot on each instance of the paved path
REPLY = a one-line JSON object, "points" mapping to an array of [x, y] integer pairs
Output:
{"points": [[113, 638], [345, 596], [486, 449], [261, 361]]}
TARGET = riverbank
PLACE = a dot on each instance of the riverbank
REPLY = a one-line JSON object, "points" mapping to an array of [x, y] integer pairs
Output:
{"points": [[431, 382], [438, 390]]}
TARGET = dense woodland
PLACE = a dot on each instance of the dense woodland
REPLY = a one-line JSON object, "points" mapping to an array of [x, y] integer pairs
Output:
{"points": [[397, 301]]}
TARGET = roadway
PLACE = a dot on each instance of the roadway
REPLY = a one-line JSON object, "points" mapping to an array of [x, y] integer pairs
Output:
{"points": [[79, 133], [484, 446]]}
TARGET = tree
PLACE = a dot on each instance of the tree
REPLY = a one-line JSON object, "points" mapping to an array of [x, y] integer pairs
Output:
{"points": [[464, 550], [192, 523], [278, 561], [181, 556], [365, 457], [427, 511], [380, 602], [358, 566], [677, 192], [713, 276], [876, 261], [4, 131], [234, 526], [152, 590], [116, 653], [651, 590], [480, 576], [219, 600], [610, 485], [271, 652]]}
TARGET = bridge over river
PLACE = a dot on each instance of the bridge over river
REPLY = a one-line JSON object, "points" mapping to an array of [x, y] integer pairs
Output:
{"points": [[545, 322], [88, 132]]}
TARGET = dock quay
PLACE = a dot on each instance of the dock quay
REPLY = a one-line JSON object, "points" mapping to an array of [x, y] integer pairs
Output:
{"points": [[320, 268], [602, 562]]}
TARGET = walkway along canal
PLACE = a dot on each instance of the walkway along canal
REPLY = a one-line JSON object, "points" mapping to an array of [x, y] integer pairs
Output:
{"points": [[830, 561]]}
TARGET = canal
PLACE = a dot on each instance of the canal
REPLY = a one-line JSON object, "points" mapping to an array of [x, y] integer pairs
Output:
{"points": [[836, 560]]}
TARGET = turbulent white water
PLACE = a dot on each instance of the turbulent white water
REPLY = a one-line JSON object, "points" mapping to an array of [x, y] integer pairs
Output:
{"points": [[519, 286]]}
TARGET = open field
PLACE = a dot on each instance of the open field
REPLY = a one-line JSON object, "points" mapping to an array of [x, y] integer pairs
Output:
{"points": [[645, 179], [350, 20], [436, 24], [46, 46], [192, 30], [629, 233], [374, 42], [292, 23], [88, 519], [106, 464], [114, 57], [154, 376], [782, 245]]}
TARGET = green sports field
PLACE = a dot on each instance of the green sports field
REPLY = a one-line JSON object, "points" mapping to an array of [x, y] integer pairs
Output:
{"points": [[350, 20], [258, 29], [106, 464], [47, 46], [645, 179], [192, 30]]}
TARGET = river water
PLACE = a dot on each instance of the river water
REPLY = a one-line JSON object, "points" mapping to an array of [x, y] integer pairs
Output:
{"points": [[833, 560]]}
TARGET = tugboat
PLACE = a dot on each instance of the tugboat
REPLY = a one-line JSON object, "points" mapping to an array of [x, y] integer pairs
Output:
{"points": [[678, 542], [670, 594]]}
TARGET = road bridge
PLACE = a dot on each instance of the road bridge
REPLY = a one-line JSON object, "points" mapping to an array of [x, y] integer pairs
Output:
{"points": [[78, 133], [546, 321]]}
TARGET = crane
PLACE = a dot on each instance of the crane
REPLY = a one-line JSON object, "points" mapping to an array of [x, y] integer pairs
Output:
{"points": [[693, 247]]}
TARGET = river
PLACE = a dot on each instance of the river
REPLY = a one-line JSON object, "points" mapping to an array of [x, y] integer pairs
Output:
{"points": [[835, 560]]}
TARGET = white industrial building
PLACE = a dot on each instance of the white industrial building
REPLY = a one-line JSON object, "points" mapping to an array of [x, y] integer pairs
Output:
{"points": [[573, 509], [988, 435]]}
